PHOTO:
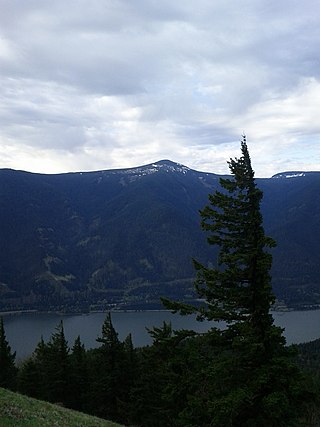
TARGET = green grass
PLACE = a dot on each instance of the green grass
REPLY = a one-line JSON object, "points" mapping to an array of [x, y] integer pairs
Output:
{"points": [[17, 410]]}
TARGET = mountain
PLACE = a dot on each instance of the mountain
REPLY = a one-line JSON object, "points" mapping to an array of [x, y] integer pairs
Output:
{"points": [[125, 237]]}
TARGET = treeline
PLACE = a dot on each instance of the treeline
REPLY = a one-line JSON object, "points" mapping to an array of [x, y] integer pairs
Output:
{"points": [[98, 381], [182, 379]]}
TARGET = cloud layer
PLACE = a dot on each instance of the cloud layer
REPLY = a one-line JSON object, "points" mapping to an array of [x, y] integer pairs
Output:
{"points": [[116, 83]]}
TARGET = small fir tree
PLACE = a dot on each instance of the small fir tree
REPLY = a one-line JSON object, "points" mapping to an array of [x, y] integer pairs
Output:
{"points": [[8, 371], [33, 377], [109, 336], [58, 367], [29, 379], [79, 376], [40, 357]]}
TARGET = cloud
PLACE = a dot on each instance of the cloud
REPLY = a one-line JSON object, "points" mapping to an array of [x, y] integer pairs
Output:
{"points": [[115, 83]]}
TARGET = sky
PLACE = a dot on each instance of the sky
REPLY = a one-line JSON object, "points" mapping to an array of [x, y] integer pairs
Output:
{"points": [[104, 84]]}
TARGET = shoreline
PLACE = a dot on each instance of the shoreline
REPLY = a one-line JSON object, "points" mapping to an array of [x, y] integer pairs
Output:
{"points": [[11, 312], [87, 313], [76, 313]]}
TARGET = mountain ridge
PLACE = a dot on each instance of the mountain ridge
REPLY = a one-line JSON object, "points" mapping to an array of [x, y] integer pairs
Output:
{"points": [[156, 167], [124, 237]]}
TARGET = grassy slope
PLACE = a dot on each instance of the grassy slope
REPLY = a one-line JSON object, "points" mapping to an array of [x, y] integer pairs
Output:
{"points": [[20, 411]]}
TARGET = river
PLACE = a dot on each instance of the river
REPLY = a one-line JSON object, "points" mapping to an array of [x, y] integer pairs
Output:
{"points": [[24, 330]]}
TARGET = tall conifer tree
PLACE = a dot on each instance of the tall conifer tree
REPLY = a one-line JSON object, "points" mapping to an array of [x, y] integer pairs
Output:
{"points": [[253, 380], [108, 372], [58, 368], [237, 289], [79, 376]]}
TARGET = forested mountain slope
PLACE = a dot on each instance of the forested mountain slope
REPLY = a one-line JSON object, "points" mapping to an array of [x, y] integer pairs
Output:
{"points": [[71, 241]]}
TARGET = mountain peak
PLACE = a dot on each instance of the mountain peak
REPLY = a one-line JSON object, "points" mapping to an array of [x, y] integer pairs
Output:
{"points": [[166, 162], [151, 168], [167, 166]]}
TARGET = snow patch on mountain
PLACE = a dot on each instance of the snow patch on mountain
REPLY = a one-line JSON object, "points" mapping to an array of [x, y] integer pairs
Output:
{"points": [[287, 175]]}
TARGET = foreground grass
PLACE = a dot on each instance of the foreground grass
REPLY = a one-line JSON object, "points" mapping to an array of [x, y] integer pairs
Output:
{"points": [[17, 410]]}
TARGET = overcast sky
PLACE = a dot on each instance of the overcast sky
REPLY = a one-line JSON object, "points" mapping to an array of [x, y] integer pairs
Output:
{"points": [[102, 84]]}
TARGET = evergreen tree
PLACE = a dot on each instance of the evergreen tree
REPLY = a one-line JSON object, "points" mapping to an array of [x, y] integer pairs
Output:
{"points": [[79, 376], [33, 373], [128, 379], [46, 374], [40, 357], [253, 379], [150, 406], [29, 379], [130, 361], [57, 367], [108, 372], [162, 382], [8, 371], [109, 337]]}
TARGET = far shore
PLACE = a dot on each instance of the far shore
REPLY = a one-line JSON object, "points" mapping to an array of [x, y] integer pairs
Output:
{"points": [[5, 313], [77, 313], [275, 309]]}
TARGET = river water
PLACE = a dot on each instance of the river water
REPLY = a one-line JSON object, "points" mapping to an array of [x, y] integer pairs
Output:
{"points": [[24, 330]]}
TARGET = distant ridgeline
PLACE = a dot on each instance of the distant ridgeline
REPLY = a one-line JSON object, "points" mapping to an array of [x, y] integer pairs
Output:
{"points": [[123, 238]]}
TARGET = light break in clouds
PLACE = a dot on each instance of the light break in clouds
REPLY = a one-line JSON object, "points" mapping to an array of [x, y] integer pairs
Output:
{"points": [[119, 83]]}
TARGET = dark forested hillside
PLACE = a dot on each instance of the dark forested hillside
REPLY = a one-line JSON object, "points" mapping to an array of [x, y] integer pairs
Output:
{"points": [[81, 240], [291, 212]]}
